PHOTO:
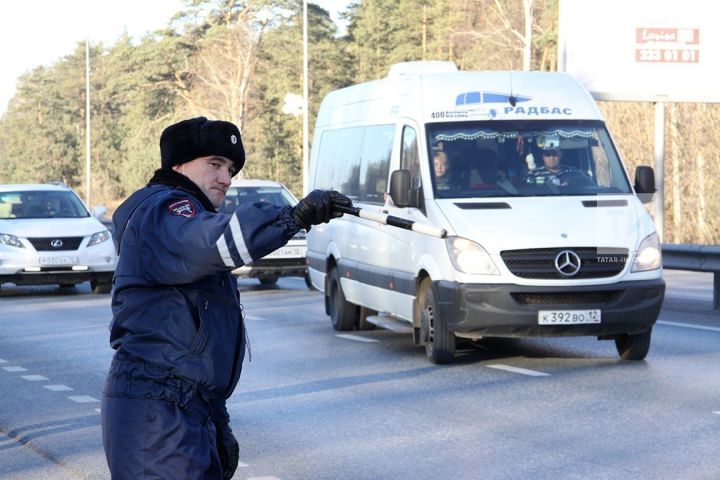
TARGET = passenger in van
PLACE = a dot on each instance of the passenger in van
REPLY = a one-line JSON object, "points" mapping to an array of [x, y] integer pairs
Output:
{"points": [[552, 172], [441, 167], [177, 325]]}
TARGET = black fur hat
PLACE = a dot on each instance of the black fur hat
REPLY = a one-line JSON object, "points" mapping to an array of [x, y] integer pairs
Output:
{"points": [[199, 137]]}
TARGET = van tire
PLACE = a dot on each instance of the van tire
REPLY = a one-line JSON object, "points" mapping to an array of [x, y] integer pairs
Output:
{"points": [[633, 346], [439, 342], [343, 314]]}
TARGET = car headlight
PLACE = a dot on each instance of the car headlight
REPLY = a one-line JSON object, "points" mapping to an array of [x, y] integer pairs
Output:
{"points": [[649, 256], [10, 240], [469, 257], [99, 237]]}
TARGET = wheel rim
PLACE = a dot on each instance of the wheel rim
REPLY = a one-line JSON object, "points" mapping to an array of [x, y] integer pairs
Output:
{"points": [[429, 317]]}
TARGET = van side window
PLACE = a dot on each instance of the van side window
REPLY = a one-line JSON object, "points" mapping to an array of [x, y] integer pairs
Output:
{"points": [[328, 147], [377, 149], [409, 156], [356, 161]]}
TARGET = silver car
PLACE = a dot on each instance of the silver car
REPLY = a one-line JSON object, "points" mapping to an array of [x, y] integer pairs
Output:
{"points": [[287, 261], [48, 236]]}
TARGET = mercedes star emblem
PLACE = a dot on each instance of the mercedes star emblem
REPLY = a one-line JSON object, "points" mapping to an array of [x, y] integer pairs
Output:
{"points": [[567, 263]]}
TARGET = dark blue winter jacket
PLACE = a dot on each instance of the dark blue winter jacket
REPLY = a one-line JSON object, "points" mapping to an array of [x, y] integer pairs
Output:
{"points": [[177, 320]]}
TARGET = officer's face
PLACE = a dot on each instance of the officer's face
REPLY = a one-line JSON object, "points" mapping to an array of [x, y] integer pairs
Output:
{"points": [[212, 174]]}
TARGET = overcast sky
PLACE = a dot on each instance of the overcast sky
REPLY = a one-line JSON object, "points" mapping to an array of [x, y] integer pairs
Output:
{"points": [[40, 32]]}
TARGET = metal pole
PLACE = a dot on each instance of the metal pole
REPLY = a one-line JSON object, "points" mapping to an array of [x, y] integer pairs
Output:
{"points": [[659, 156], [88, 186], [306, 130]]}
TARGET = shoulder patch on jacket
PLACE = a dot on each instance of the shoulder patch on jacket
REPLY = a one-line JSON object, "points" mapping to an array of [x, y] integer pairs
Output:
{"points": [[182, 208]]}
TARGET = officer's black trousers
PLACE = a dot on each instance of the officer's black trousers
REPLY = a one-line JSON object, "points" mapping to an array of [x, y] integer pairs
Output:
{"points": [[156, 439]]}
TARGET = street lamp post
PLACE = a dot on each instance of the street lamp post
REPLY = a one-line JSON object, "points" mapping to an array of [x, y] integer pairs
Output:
{"points": [[306, 131], [88, 186]]}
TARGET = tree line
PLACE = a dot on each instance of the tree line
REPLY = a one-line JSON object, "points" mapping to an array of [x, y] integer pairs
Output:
{"points": [[241, 60]]}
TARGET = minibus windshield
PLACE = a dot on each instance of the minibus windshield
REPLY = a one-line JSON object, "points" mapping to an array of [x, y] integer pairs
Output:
{"points": [[524, 158]]}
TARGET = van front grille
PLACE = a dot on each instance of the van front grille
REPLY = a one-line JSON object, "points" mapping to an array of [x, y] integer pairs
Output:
{"points": [[564, 298], [539, 263]]}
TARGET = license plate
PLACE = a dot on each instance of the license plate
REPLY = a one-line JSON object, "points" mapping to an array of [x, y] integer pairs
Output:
{"points": [[568, 317], [66, 260], [287, 252]]}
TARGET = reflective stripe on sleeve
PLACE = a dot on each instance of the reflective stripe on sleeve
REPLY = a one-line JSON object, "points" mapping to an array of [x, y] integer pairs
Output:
{"points": [[239, 240], [224, 252]]}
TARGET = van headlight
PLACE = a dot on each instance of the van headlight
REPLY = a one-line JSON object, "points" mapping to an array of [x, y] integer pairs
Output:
{"points": [[10, 240], [469, 257], [648, 256], [98, 238]]}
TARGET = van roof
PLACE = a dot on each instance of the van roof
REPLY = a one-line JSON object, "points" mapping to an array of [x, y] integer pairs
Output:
{"points": [[431, 93]]}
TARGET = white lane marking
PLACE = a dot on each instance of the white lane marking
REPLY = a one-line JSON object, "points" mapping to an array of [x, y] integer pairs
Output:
{"points": [[97, 410], [522, 371], [689, 325], [15, 369], [717, 412], [34, 378], [83, 399], [57, 388], [3, 361], [242, 465], [355, 338], [263, 478], [253, 317]]}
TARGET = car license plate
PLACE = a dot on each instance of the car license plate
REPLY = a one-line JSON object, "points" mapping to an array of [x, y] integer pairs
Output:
{"points": [[54, 261], [568, 317], [287, 252]]}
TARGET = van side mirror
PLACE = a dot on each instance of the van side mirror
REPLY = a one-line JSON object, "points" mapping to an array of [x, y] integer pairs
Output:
{"points": [[645, 183], [400, 188]]}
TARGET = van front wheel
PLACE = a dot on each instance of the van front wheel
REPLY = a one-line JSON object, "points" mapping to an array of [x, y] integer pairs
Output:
{"points": [[343, 314], [635, 346], [439, 341]]}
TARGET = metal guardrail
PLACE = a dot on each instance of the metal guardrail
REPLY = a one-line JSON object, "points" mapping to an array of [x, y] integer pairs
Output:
{"points": [[697, 258]]}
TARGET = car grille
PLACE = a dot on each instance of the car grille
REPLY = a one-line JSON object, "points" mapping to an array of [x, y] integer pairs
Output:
{"points": [[45, 244], [539, 263]]}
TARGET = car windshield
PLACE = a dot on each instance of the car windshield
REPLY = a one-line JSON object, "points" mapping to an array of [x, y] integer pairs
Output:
{"points": [[524, 158], [41, 204], [238, 195]]}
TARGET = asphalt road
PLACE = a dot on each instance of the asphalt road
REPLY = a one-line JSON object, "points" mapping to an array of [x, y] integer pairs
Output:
{"points": [[315, 405]]}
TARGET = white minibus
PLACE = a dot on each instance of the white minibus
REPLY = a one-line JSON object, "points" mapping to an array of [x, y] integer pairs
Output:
{"points": [[546, 233]]}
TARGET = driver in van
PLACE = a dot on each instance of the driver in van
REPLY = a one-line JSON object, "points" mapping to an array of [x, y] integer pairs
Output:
{"points": [[552, 172], [177, 326]]}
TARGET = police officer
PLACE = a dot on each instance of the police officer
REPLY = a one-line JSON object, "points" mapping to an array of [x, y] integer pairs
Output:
{"points": [[177, 323]]}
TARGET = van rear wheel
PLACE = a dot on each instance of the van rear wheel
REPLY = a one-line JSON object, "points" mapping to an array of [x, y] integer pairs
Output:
{"points": [[343, 314], [633, 346], [439, 341]]}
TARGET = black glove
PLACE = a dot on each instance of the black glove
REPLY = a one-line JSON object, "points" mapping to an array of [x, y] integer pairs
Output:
{"points": [[317, 207], [228, 449]]}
